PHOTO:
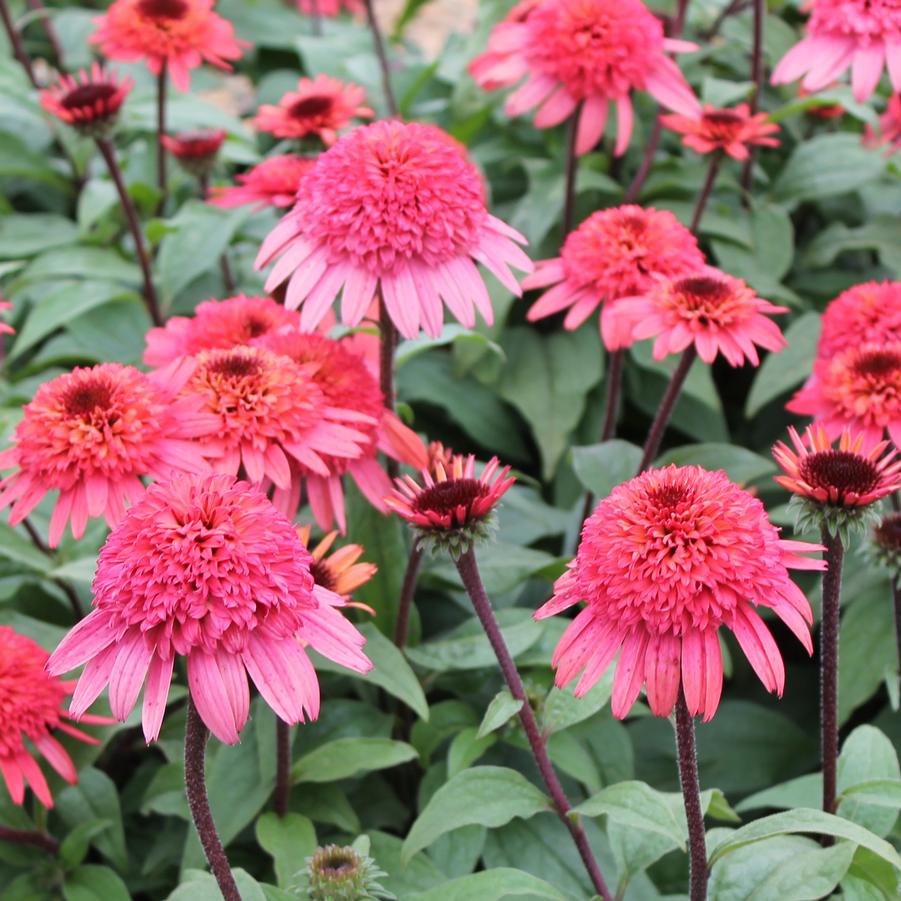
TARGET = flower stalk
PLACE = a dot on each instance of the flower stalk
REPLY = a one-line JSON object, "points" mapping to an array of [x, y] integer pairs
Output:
{"points": [[402, 624], [701, 203], [228, 278], [757, 71], [29, 837], [572, 169], [691, 794], [378, 41], [160, 134], [468, 568], [832, 586], [15, 40]]}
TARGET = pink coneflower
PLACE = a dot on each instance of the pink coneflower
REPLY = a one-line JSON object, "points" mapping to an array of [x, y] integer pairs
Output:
{"points": [[320, 106], [269, 412], [216, 325], [205, 567], [328, 8], [340, 571], [889, 127], [614, 253], [869, 313], [274, 182], [843, 34], [177, 34], [31, 705], [710, 309], [396, 208], [731, 131], [845, 477], [664, 561], [196, 151], [858, 390], [346, 384], [594, 52], [89, 101], [452, 507], [93, 434]]}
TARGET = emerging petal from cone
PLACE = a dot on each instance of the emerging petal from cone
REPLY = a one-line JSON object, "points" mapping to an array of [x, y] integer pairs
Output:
{"points": [[274, 182], [664, 561], [89, 101]]}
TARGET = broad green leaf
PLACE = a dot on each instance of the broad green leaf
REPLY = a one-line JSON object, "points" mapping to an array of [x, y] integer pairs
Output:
{"points": [[805, 791], [347, 757], [82, 262], [869, 780], [869, 878], [807, 876], [741, 465], [26, 234], [500, 711], [601, 467], [465, 749], [450, 334], [486, 795], [290, 840], [17, 160], [94, 883], [503, 566], [74, 847], [491, 885], [15, 546], [563, 709], [200, 886]]}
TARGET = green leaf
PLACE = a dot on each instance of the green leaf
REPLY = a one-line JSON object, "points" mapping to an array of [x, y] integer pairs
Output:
{"points": [[200, 886], [741, 465], [563, 709], [869, 780], [804, 177], [807, 876], [347, 757], [491, 885], [501, 710], [450, 334], [16, 547], [17, 160], [805, 791], [803, 820], [547, 378], [75, 845], [465, 749], [601, 467], [25, 234], [94, 883], [290, 840], [82, 262], [486, 796], [780, 373]]}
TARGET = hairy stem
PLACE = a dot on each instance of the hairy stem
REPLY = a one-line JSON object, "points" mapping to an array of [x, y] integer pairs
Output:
{"points": [[160, 134], [691, 795], [647, 161], [408, 589], [472, 581], [572, 168], [704, 196], [29, 837], [378, 41], [282, 766], [15, 41], [757, 72], [832, 591], [134, 226], [196, 735]]}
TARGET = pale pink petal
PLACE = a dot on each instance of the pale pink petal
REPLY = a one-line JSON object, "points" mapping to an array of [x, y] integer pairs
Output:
{"points": [[284, 677]]}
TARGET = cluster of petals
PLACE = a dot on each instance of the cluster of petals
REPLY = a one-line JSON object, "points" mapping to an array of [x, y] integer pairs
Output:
{"points": [[272, 183], [859, 389], [889, 127], [395, 208], [849, 476], [451, 496], [864, 314], [583, 55], [92, 434], [665, 561], [617, 252], [204, 567], [89, 100], [730, 131], [713, 311], [175, 35], [194, 146], [340, 571], [31, 705], [328, 8], [864, 37], [320, 106]]}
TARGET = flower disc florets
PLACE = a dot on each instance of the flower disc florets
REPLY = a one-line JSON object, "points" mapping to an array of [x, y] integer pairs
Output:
{"points": [[336, 873]]}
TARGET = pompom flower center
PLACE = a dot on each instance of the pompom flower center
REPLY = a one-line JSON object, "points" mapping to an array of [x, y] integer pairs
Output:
{"points": [[446, 497], [88, 95], [700, 294], [174, 10], [234, 365], [877, 363], [88, 398], [843, 471], [323, 574], [310, 106]]}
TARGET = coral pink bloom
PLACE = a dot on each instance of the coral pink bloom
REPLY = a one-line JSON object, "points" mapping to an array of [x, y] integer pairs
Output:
{"points": [[889, 127], [845, 477], [864, 314], [396, 208], [269, 411], [338, 572], [90, 101], [731, 131], [861, 35], [859, 390], [664, 561], [93, 434], [345, 383], [320, 106], [328, 8], [710, 309], [176, 34], [614, 253], [205, 567], [589, 52], [216, 325], [274, 182], [31, 704]]}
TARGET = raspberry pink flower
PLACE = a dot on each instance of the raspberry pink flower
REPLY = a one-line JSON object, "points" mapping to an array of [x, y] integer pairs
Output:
{"points": [[396, 208], [665, 561], [328, 8], [614, 253], [196, 151], [176, 34], [731, 131], [861, 35], [346, 384], [93, 434], [864, 314], [593, 52], [31, 701], [320, 106], [338, 572], [205, 567], [216, 325], [858, 390], [274, 182], [89, 101], [269, 411], [715, 312]]}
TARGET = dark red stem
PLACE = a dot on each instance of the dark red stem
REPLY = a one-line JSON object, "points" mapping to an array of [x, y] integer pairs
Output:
{"points": [[228, 278], [647, 161], [160, 134], [704, 196], [572, 169], [757, 76], [49, 31], [282, 766], [28, 837], [62, 584], [472, 581], [196, 735], [896, 598], [691, 795], [408, 589], [15, 40], [378, 41]]}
